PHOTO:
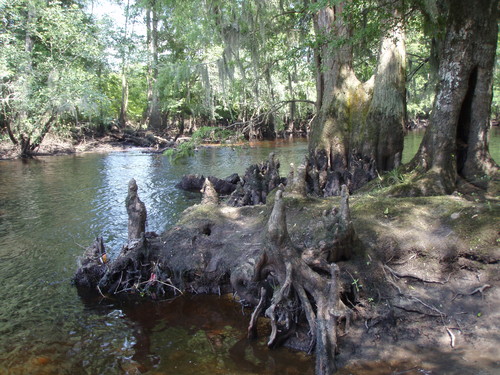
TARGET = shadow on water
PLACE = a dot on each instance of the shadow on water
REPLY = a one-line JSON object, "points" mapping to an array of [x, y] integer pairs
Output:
{"points": [[197, 334]]}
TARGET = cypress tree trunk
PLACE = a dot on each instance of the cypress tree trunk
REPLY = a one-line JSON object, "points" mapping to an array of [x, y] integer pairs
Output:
{"points": [[384, 134], [358, 128], [456, 141]]}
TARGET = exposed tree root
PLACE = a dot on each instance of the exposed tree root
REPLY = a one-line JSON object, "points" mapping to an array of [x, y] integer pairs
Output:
{"points": [[305, 290], [301, 291]]}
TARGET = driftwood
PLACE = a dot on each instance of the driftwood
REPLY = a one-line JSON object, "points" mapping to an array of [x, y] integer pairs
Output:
{"points": [[143, 140]]}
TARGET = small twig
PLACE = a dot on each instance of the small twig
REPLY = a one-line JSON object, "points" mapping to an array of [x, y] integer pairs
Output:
{"points": [[100, 292], [415, 311], [119, 282], [391, 281], [428, 306], [452, 337], [403, 262]]}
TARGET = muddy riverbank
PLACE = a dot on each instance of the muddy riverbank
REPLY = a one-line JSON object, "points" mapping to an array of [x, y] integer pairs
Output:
{"points": [[421, 284]]}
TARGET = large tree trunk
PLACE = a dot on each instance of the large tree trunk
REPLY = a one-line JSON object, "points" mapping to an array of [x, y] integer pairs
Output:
{"points": [[383, 137], [154, 114], [122, 119], [456, 141], [346, 144]]}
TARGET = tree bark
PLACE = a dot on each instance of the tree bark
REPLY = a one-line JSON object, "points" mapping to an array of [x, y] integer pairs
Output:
{"points": [[122, 120], [456, 140], [154, 114], [136, 211], [383, 137], [358, 128]]}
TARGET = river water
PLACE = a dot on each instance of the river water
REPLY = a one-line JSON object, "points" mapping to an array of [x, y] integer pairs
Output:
{"points": [[52, 207]]}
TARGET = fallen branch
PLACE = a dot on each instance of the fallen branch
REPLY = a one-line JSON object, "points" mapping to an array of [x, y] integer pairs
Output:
{"points": [[400, 275]]}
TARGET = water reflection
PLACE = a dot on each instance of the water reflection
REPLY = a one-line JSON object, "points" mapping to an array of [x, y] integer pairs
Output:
{"points": [[49, 209]]}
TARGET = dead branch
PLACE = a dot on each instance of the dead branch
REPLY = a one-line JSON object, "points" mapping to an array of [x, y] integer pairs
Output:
{"points": [[400, 275]]}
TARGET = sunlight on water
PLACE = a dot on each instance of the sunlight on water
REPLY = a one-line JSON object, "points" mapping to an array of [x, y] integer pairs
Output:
{"points": [[53, 207]]}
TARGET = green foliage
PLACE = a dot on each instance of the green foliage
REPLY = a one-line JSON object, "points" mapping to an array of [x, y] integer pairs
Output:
{"points": [[212, 134], [420, 77], [47, 67], [183, 150], [231, 60]]}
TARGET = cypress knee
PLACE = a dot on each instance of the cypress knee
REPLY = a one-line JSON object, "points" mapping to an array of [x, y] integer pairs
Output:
{"points": [[136, 211]]}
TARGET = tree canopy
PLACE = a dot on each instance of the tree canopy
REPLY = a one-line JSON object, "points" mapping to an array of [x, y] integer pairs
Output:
{"points": [[256, 67]]}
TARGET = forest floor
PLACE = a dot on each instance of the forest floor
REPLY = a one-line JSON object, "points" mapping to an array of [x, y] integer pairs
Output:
{"points": [[423, 283]]}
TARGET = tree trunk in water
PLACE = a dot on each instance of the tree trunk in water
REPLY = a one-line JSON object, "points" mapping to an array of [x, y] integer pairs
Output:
{"points": [[353, 134], [456, 141]]}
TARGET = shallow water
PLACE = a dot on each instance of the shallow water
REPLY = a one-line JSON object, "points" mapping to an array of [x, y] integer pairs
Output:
{"points": [[52, 207], [413, 139]]}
